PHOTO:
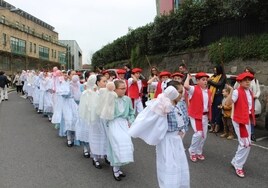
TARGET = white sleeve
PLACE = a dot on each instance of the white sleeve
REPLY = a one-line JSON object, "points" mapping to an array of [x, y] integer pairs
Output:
{"points": [[190, 92], [235, 95], [154, 84], [130, 81], [258, 90]]}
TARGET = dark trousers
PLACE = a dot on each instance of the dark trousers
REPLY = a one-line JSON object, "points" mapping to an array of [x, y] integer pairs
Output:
{"points": [[19, 89]]}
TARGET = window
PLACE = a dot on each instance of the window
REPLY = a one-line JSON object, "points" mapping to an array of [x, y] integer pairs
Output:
{"points": [[3, 19], [28, 30], [18, 25], [31, 47], [4, 39], [18, 46], [61, 58], [23, 27], [43, 52], [52, 53], [34, 48], [55, 54]]}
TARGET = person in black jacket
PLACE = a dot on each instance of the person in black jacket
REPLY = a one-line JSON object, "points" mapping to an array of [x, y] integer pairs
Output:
{"points": [[128, 71], [216, 85], [3, 86]]}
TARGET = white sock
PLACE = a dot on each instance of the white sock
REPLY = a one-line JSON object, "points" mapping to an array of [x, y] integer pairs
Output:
{"points": [[116, 169]]}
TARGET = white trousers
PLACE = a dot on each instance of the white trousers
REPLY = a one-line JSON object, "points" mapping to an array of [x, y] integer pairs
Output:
{"points": [[3, 93], [199, 137], [242, 152], [138, 107]]}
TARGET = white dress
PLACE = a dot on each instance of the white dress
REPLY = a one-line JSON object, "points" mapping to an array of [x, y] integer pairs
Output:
{"points": [[151, 124], [48, 103], [171, 162], [120, 146]]}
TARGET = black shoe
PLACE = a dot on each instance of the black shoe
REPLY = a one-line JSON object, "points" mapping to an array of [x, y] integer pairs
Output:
{"points": [[97, 164], [122, 174], [253, 138], [86, 154], [117, 178], [106, 161]]}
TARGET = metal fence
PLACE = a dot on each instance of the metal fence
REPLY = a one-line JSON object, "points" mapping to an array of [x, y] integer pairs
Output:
{"points": [[233, 28]]}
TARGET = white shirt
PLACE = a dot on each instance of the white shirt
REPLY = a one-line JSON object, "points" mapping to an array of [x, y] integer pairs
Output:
{"points": [[205, 97]]}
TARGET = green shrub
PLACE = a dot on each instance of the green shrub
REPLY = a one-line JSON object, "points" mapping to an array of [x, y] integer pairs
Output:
{"points": [[249, 47]]}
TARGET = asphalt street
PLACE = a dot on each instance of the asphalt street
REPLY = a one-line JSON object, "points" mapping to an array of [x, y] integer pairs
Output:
{"points": [[32, 155]]}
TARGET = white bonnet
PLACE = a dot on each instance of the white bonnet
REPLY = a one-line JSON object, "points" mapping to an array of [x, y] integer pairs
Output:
{"points": [[171, 93]]}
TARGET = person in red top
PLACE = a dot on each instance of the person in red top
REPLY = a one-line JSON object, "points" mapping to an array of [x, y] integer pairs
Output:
{"points": [[161, 84], [135, 89], [121, 76], [199, 113], [242, 117], [177, 77]]}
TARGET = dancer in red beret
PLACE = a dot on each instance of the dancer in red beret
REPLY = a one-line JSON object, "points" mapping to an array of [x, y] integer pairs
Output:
{"points": [[243, 116], [199, 113], [135, 89]]}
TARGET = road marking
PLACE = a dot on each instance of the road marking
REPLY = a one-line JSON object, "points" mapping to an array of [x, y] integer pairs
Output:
{"points": [[263, 147], [259, 146], [262, 138]]}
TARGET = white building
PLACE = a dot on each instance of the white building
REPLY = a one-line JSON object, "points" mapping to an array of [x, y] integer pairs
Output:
{"points": [[73, 55]]}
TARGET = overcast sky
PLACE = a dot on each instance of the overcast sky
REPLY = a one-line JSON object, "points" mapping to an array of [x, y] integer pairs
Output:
{"points": [[92, 23]]}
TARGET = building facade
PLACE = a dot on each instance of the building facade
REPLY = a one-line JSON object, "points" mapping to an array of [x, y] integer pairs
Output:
{"points": [[164, 7], [73, 55], [27, 42]]}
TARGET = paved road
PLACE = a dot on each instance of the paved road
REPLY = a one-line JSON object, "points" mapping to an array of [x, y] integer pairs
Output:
{"points": [[32, 155]]}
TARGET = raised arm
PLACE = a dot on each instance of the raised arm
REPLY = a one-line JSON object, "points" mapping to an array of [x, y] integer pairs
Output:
{"points": [[187, 82]]}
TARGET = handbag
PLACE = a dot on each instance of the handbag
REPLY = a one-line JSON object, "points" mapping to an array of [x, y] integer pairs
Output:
{"points": [[257, 106]]}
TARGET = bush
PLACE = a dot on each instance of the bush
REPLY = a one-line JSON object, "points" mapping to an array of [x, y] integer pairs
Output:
{"points": [[249, 47]]}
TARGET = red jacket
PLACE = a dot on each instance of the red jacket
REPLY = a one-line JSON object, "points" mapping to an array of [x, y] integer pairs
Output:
{"points": [[195, 109], [241, 112], [158, 89], [133, 91]]}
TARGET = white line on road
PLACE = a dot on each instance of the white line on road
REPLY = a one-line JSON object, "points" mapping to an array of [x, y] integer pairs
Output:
{"points": [[262, 138], [263, 147], [259, 146]]}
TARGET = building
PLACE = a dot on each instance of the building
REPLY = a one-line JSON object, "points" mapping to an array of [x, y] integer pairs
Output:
{"points": [[73, 55], [164, 7], [27, 42]]}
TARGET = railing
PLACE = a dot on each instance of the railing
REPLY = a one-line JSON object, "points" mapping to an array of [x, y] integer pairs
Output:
{"points": [[233, 28], [31, 32]]}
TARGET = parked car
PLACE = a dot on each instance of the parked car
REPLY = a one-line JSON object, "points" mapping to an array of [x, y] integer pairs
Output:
{"points": [[231, 79]]}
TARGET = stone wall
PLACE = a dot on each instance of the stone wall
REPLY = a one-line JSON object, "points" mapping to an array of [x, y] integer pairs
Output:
{"points": [[199, 61]]}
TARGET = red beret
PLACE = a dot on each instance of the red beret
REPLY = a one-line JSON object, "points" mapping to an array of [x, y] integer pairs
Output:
{"points": [[177, 74], [200, 75], [121, 71], [135, 70], [244, 75], [164, 73], [105, 71]]}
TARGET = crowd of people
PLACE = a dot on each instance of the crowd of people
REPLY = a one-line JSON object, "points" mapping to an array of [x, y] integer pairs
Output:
{"points": [[102, 111]]}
